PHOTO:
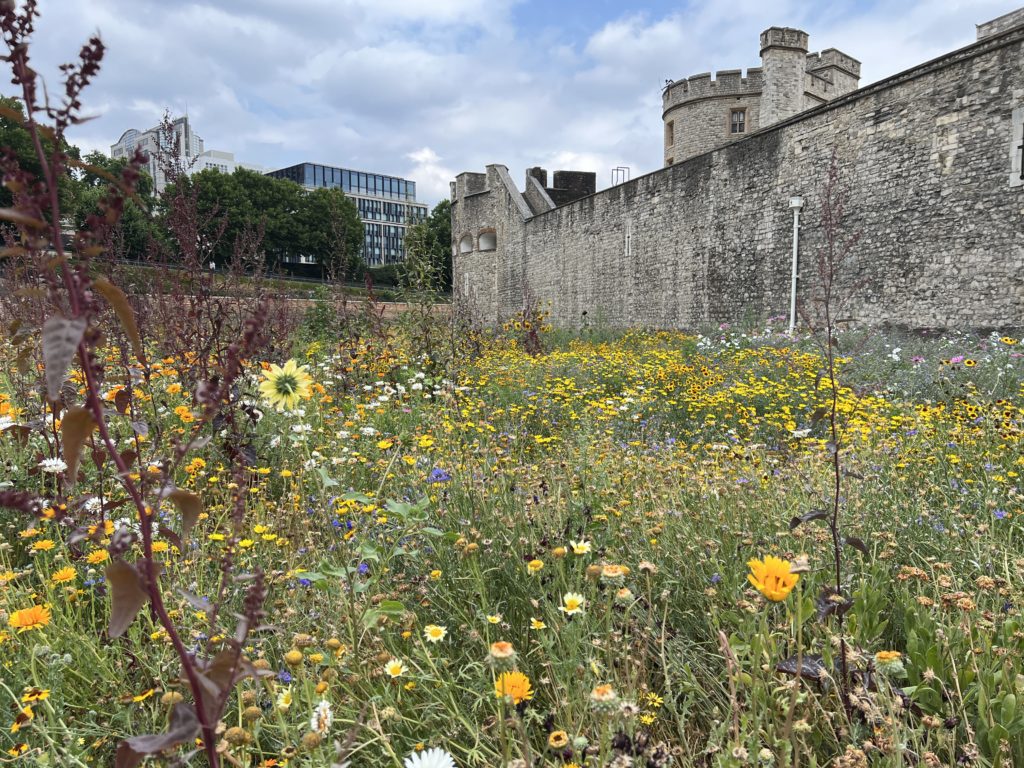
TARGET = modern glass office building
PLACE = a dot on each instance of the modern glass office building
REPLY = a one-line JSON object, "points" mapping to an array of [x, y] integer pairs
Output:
{"points": [[387, 205]]}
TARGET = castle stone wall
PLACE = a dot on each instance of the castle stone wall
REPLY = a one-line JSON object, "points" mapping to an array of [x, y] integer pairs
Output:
{"points": [[923, 155]]}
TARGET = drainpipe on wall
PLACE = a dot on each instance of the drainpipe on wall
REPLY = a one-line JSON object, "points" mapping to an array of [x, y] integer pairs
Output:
{"points": [[796, 203]]}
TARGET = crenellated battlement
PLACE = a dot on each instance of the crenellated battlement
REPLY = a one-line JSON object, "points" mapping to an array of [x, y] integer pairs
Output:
{"points": [[784, 37], [832, 58], [707, 85]]}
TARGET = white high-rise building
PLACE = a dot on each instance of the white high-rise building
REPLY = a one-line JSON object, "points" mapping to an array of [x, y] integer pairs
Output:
{"points": [[189, 146], [192, 155]]}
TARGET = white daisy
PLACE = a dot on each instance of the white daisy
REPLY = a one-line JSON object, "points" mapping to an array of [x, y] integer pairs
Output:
{"points": [[431, 758], [322, 717], [53, 466]]}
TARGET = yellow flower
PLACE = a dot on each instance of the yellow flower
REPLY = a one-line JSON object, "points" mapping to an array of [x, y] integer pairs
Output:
{"points": [[63, 575], [572, 603], [534, 566], [96, 557], [558, 739], [515, 685], [395, 668], [580, 547], [24, 717], [537, 624], [35, 694], [494, 618], [283, 386], [434, 633], [43, 545], [36, 617], [772, 577]]}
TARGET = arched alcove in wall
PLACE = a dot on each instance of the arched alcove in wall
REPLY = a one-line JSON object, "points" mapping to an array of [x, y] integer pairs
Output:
{"points": [[466, 244], [488, 240]]}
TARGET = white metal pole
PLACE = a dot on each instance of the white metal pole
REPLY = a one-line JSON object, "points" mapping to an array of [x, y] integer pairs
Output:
{"points": [[792, 287]]}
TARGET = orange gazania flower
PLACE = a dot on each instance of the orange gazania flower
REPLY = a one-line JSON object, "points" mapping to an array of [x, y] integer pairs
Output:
{"points": [[772, 577], [36, 617]]}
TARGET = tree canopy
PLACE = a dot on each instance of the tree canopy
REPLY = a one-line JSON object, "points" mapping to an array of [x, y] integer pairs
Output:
{"points": [[323, 224], [428, 246]]}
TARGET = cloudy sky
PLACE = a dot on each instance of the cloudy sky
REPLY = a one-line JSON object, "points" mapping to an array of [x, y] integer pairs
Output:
{"points": [[428, 88]]}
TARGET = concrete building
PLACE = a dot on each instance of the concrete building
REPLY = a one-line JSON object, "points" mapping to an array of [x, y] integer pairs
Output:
{"points": [[387, 205], [192, 154], [931, 159], [225, 162], [705, 111], [188, 143]]}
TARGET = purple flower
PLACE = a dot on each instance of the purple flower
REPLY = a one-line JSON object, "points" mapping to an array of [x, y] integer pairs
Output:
{"points": [[438, 475], [715, 578], [1000, 514]]}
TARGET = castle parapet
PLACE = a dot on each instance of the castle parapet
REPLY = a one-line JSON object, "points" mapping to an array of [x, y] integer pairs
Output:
{"points": [[727, 82], [832, 58], [468, 184]]}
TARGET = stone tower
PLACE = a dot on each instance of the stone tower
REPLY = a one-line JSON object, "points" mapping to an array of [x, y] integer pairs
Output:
{"points": [[705, 111], [784, 64]]}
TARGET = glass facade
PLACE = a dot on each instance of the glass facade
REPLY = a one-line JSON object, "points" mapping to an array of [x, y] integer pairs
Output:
{"points": [[387, 205]]}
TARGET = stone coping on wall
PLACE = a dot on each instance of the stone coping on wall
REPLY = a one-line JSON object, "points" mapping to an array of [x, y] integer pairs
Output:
{"points": [[979, 48]]}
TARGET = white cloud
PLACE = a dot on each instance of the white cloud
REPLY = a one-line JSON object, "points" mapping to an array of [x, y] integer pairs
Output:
{"points": [[432, 177], [432, 88]]}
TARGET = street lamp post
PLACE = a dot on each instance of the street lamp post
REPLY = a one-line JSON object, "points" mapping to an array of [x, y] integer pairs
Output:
{"points": [[796, 203]]}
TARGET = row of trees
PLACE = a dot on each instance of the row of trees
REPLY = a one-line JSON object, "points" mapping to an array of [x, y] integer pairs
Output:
{"points": [[322, 224]]}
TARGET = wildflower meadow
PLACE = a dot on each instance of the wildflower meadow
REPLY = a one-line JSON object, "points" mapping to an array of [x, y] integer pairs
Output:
{"points": [[241, 532]]}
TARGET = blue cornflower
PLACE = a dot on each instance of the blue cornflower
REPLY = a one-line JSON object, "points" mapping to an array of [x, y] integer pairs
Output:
{"points": [[438, 475]]}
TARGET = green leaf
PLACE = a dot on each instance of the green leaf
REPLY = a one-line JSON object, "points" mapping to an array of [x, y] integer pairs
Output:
{"points": [[1008, 710], [75, 427], [362, 498], [126, 596], [61, 337], [327, 480], [391, 608]]}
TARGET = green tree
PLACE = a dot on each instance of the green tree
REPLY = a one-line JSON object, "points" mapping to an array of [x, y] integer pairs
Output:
{"points": [[323, 224], [428, 245], [136, 229], [331, 231], [14, 136]]}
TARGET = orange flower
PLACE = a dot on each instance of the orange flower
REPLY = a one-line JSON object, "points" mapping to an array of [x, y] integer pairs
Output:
{"points": [[36, 617], [772, 577], [514, 685]]}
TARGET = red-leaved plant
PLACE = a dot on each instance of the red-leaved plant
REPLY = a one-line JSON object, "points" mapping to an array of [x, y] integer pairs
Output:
{"points": [[82, 316]]}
